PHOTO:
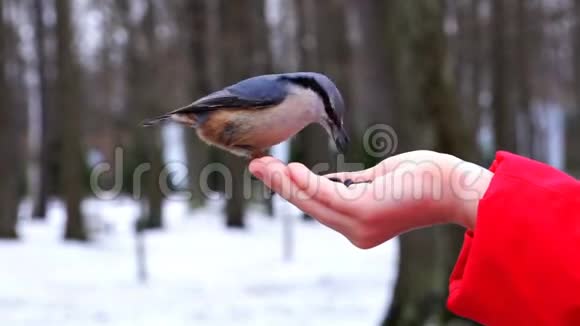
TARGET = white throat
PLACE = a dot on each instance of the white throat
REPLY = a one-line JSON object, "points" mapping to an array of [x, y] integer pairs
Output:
{"points": [[306, 104]]}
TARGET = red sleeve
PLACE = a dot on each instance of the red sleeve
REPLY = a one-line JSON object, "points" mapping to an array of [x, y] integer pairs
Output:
{"points": [[521, 264]]}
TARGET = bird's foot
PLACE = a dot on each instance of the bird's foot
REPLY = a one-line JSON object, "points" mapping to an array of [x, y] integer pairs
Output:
{"points": [[255, 154]]}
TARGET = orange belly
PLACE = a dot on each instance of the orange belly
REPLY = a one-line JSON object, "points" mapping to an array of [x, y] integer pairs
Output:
{"points": [[244, 131]]}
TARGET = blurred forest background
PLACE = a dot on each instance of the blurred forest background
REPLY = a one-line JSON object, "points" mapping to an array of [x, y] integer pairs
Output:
{"points": [[467, 77]]}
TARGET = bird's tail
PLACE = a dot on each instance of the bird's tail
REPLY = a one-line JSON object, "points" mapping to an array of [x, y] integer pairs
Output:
{"points": [[154, 121]]}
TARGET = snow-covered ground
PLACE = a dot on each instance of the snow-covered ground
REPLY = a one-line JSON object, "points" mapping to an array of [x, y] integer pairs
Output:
{"points": [[199, 273]]}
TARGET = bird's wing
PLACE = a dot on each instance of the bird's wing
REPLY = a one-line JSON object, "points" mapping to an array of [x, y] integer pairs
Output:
{"points": [[250, 93]]}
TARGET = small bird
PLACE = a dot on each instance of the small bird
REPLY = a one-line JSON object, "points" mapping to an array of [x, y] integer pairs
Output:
{"points": [[251, 116]]}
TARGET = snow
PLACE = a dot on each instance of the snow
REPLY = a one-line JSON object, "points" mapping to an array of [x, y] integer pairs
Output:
{"points": [[200, 273]]}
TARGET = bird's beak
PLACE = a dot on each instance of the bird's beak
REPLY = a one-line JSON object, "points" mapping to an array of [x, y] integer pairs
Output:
{"points": [[341, 138]]}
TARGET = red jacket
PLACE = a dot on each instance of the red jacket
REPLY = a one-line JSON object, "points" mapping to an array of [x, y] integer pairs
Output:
{"points": [[521, 264]]}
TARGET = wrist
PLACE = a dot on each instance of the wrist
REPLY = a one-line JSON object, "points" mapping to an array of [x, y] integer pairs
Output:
{"points": [[469, 183]]}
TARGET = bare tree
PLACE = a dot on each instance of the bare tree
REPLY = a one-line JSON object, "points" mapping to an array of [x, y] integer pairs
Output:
{"points": [[67, 100], [8, 135], [242, 35], [323, 48], [197, 22], [311, 143], [142, 100], [426, 88], [573, 132], [371, 98], [503, 113], [40, 202], [478, 66], [468, 55], [150, 96], [524, 49], [576, 35]]}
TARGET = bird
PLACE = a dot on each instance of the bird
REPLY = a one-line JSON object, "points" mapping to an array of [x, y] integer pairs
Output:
{"points": [[252, 115]]}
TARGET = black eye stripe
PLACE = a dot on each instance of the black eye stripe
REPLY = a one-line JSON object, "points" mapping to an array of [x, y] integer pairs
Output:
{"points": [[312, 84]]}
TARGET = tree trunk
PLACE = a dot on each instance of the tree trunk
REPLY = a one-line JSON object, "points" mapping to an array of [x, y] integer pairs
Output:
{"points": [[285, 53], [8, 135], [425, 84], [334, 60], [419, 295], [436, 85], [477, 66], [572, 130], [371, 82], [235, 44], [143, 101], [469, 63], [576, 43], [242, 35], [371, 101], [323, 48], [198, 153], [312, 142], [68, 103], [523, 54], [40, 201], [504, 120], [438, 91], [151, 97]]}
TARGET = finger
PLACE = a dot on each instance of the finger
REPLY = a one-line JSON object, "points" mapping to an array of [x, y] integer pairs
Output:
{"points": [[269, 159], [275, 176], [259, 166], [335, 196]]}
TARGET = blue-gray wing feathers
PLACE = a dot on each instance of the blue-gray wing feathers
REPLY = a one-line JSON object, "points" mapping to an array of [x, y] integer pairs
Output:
{"points": [[256, 92]]}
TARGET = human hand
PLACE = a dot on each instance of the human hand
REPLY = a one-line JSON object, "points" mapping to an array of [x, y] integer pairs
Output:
{"points": [[407, 191]]}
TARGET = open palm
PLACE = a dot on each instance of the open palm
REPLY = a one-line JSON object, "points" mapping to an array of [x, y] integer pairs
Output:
{"points": [[405, 192]]}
